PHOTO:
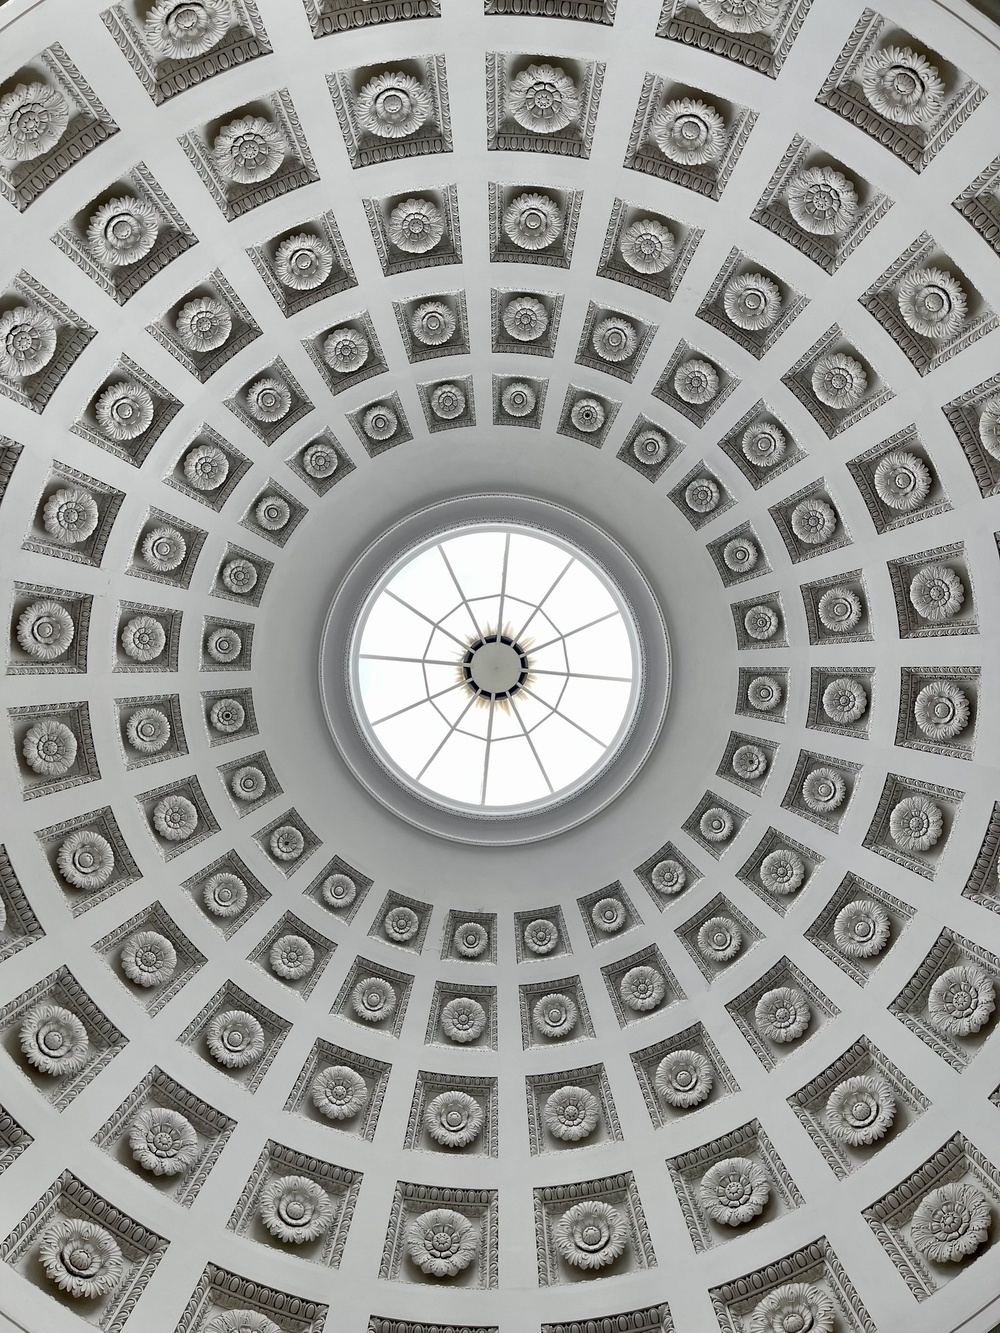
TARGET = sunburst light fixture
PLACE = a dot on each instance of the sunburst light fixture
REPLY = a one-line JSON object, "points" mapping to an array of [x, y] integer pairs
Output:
{"points": [[496, 666]]}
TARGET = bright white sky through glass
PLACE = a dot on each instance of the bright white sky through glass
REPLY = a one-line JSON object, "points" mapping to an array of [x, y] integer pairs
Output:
{"points": [[480, 753]]}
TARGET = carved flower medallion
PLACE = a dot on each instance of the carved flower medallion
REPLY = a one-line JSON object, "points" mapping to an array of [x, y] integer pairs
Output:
{"points": [[296, 1210], [590, 1235], [783, 1014], [442, 1242], [235, 1039], [533, 221], [81, 1258], [163, 1141], [250, 150], [902, 86], [339, 1092], [454, 1119], [734, 1191], [684, 1078], [543, 99], [415, 226], [689, 132], [33, 118], [49, 748], [393, 105], [27, 341], [122, 231], [555, 1016]]}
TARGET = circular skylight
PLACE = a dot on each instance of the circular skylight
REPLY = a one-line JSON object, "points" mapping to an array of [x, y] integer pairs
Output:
{"points": [[495, 669]]}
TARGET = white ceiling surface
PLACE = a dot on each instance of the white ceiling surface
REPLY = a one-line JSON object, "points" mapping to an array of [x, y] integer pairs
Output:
{"points": [[683, 765]]}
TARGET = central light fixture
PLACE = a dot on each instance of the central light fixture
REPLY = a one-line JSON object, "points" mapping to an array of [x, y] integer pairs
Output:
{"points": [[495, 667]]}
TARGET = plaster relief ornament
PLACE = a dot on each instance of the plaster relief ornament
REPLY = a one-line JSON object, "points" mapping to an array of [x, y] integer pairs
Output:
{"points": [[861, 929], [543, 99], [235, 1039], [303, 262], [525, 318], [392, 105], [764, 444], [941, 710], [689, 132], [783, 1014], [961, 1000], [339, 1092], [224, 645], [518, 399], [286, 843], [861, 1110], [642, 988], [239, 575], [839, 610], [696, 382], [590, 1235], [951, 1222], [749, 762], [668, 876], [734, 1191], [380, 423], [932, 303], [702, 495], [647, 246], [471, 940], [320, 461], [175, 817], [186, 29], [902, 86], [719, 939], [296, 1210], [684, 1079], [795, 1307], [463, 1020], [122, 231], [268, 400], [433, 323], [54, 1040], [148, 958], [33, 118], [609, 915], [533, 221], [989, 427], [937, 593], [163, 1141], [272, 512], [224, 895], [813, 521], [614, 339], [241, 1321], [555, 1016], [744, 16], [415, 226], [442, 1242], [206, 467], [203, 324], [400, 924], [453, 1119], [249, 150], [45, 631], [163, 549], [752, 302], [345, 350], [81, 1258], [291, 958], [49, 748], [541, 936], [227, 715], [587, 415], [27, 342], [85, 860], [761, 622], [839, 381], [374, 1000], [822, 201], [902, 481], [764, 694], [124, 411], [70, 515], [740, 555], [650, 447], [916, 823], [845, 700], [716, 824], [339, 891], [782, 871], [448, 402], [823, 790]]}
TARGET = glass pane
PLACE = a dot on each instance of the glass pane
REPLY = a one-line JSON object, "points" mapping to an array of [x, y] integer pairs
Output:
{"points": [[410, 740], [386, 687], [477, 560], [513, 777], [394, 630], [426, 585], [457, 771]]}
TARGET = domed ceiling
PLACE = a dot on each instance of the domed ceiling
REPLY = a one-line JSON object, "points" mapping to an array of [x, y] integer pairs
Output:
{"points": [[706, 291]]}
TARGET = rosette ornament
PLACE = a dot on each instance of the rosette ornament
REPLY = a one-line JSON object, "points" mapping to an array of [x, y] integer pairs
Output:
{"points": [[761, 622], [224, 895], [374, 1000], [303, 262], [861, 929], [839, 610], [689, 132], [961, 1000], [588, 415], [541, 936], [734, 1191], [902, 480], [902, 86], [54, 1040], [235, 1039], [951, 1222], [380, 423], [823, 791], [684, 1079], [227, 716], [122, 231], [45, 630], [124, 411], [650, 447], [345, 350], [716, 824], [782, 871], [206, 467], [163, 1141], [783, 1014], [533, 221], [81, 1258], [989, 427], [647, 246], [702, 495], [839, 381], [392, 105], [186, 29], [764, 694], [471, 940], [70, 515], [916, 823], [719, 939], [752, 302], [447, 402], [239, 575], [571, 1114], [642, 988], [941, 710], [296, 1210], [609, 915], [33, 118], [822, 201], [749, 762], [794, 1307], [543, 99], [400, 924], [175, 817], [415, 226], [936, 593], [49, 748], [743, 16], [85, 860], [932, 303], [614, 339], [27, 341], [163, 549], [224, 645], [463, 1020], [339, 1092], [555, 1016], [203, 324], [319, 460], [148, 958], [813, 521], [518, 399], [861, 1110], [249, 150], [433, 323], [454, 1119], [590, 1235], [268, 400], [286, 843], [845, 700], [241, 1321], [668, 876], [291, 957], [696, 382], [339, 891], [764, 444], [442, 1242]]}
